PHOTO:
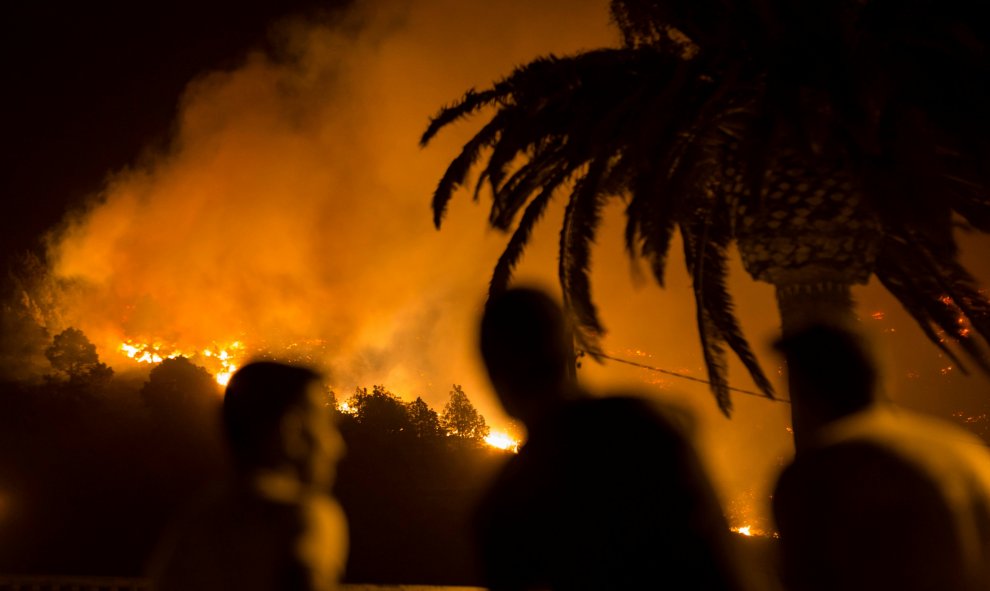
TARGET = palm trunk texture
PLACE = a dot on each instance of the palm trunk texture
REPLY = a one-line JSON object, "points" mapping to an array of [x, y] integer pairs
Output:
{"points": [[812, 236]]}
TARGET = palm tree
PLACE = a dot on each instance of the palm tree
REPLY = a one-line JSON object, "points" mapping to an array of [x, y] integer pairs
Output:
{"points": [[831, 140]]}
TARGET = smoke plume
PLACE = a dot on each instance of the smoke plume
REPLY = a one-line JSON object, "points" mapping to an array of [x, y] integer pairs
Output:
{"points": [[291, 205]]}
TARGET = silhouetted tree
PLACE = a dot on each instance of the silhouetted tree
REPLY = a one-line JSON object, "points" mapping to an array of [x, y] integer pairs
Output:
{"points": [[332, 399], [23, 337], [408, 492], [830, 141], [22, 343], [74, 358], [460, 418], [380, 411], [424, 420], [178, 387]]}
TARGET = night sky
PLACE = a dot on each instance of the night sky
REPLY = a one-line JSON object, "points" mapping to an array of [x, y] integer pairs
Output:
{"points": [[89, 85]]}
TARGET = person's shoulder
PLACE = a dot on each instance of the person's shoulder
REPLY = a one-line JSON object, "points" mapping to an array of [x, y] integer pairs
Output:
{"points": [[623, 403], [321, 549], [910, 436], [871, 454], [632, 409], [624, 426], [323, 513]]}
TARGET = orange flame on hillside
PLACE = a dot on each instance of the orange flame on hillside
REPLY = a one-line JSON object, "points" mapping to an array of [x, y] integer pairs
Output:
{"points": [[503, 441], [221, 361], [751, 531]]}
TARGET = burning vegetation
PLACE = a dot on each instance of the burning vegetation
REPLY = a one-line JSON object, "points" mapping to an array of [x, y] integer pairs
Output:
{"points": [[75, 363], [220, 360], [459, 420]]}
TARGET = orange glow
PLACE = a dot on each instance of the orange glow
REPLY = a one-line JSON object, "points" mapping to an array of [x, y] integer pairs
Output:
{"points": [[221, 361], [502, 440], [751, 531], [148, 352]]}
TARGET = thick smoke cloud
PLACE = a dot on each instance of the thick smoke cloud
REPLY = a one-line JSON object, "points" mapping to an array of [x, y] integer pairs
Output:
{"points": [[292, 203]]}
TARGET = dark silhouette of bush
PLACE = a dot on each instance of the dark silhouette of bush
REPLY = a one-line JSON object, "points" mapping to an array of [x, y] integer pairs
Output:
{"points": [[74, 359], [178, 387]]}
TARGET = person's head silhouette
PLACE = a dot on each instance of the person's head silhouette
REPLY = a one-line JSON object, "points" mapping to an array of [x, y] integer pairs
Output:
{"points": [[833, 369], [277, 419], [525, 344]]}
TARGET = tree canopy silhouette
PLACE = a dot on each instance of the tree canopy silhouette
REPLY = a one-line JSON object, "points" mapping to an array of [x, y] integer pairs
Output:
{"points": [[380, 409], [179, 387], [424, 420], [461, 419], [74, 358], [830, 141]]}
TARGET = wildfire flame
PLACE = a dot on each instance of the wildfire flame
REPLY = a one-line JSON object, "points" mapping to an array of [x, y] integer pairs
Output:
{"points": [[224, 360], [750, 531], [501, 440], [221, 360]]}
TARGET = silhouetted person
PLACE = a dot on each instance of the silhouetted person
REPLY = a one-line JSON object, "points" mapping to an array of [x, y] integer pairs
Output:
{"points": [[881, 498], [606, 493], [274, 527]]}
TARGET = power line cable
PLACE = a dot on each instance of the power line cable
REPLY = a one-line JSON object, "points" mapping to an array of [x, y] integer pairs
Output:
{"points": [[683, 376]]}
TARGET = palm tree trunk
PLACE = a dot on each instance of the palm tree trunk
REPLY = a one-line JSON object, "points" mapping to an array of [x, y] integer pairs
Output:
{"points": [[801, 305]]}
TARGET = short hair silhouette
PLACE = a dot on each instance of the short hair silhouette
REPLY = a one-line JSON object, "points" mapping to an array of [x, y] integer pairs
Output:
{"points": [[835, 366], [569, 511], [273, 522], [876, 498], [257, 397], [524, 337]]}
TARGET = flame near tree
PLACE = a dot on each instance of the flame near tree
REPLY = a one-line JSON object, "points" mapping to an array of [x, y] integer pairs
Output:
{"points": [[221, 361], [460, 419]]}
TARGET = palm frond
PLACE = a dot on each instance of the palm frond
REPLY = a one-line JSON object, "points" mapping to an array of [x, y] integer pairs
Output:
{"points": [[892, 94], [965, 182], [650, 224], [682, 25], [720, 308], [460, 167], [471, 102], [706, 255], [921, 306], [690, 161], [962, 298], [924, 296], [712, 349], [581, 219], [513, 252], [540, 173]]}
